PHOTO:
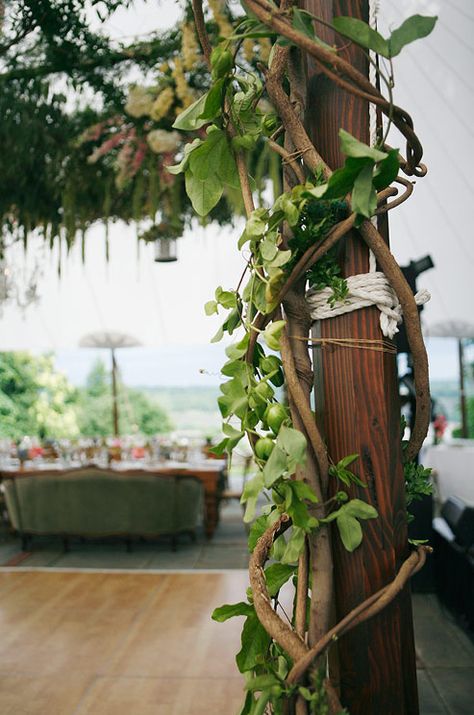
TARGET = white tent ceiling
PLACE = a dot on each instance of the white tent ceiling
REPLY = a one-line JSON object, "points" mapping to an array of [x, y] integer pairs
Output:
{"points": [[161, 304]]}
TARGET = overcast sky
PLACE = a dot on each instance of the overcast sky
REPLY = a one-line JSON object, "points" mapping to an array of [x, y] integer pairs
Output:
{"points": [[162, 304]]}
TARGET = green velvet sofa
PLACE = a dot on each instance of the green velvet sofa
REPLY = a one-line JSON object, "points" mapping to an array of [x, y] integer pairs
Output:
{"points": [[96, 502]]}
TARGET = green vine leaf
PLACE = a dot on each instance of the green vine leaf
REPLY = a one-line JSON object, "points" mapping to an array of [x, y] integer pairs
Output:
{"points": [[255, 641], [255, 226], [304, 491], [272, 334], [250, 495], [281, 259], [226, 298], [293, 442], [223, 613], [296, 507], [341, 181], [347, 517], [205, 159], [232, 433], [233, 401], [268, 249], [361, 33], [360, 509], [294, 546], [188, 148], [275, 466], [203, 193], [210, 307], [214, 100], [238, 350], [222, 62], [386, 171], [414, 28], [235, 368], [191, 118], [357, 149], [348, 460], [364, 196], [277, 575], [256, 531], [218, 336], [278, 548], [341, 472], [350, 531], [210, 165]]}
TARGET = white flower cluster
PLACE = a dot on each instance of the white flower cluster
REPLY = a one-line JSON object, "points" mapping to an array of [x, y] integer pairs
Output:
{"points": [[161, 141], [139, 102]]}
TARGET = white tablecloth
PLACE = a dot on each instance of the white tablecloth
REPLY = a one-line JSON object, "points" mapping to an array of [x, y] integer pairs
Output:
{"points": [[454, 465]]}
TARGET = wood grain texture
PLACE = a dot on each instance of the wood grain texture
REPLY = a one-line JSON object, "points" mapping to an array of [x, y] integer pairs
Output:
{"points": [[127, 644], [357, 405]]}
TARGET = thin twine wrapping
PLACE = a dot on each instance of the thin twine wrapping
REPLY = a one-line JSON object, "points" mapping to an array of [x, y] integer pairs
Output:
{"points": [[297, 154], [379, 345]]}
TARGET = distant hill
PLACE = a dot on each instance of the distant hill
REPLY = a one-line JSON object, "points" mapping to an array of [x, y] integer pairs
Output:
{"points": [[191, 409], [194, 409]]}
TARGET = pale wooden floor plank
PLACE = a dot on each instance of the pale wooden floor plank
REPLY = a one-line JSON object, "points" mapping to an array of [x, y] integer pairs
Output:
{"points": [[28, 694], [155, 696], [80, 643]]}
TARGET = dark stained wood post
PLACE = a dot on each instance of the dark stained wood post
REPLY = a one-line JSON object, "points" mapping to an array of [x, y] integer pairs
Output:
{"points": [[358, 407]]}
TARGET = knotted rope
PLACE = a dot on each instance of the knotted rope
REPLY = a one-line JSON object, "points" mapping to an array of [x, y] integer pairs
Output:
{"points": [[364, 290]]}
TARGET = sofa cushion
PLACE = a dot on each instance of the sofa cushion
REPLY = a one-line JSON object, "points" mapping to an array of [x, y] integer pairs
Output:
{"points": [[104, 502]]}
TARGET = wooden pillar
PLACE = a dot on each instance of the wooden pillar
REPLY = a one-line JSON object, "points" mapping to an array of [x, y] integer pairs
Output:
{"points": [[358, 408]]}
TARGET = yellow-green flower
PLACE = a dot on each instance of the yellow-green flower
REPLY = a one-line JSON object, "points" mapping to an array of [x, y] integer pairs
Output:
{"points": [[183, 90], [218, 10], [162, 104], [189, 46], [139, 102]]}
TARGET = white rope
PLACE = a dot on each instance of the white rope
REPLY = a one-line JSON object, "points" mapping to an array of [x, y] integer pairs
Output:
{"points": [[364, 290], [373, 12]]}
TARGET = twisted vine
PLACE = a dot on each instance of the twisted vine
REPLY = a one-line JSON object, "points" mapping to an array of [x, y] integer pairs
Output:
{"points": [[291, 243]]}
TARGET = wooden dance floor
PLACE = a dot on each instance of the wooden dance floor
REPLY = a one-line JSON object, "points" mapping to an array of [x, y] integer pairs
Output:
{"points": [[82, 643]]}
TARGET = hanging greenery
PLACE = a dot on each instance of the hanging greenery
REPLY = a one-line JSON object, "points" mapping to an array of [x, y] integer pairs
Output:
{"points": [[99, 149]]}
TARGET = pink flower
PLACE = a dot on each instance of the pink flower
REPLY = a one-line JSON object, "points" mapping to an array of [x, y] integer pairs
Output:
{"points": [[107, 146], [138, 158]]}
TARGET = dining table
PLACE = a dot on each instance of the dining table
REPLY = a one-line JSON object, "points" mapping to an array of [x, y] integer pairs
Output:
{"points": [[454, 469], [212, 473]]}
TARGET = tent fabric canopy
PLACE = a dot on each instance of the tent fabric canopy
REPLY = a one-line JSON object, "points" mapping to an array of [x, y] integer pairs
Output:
{"points": [[111, 340], [451, 329]]}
